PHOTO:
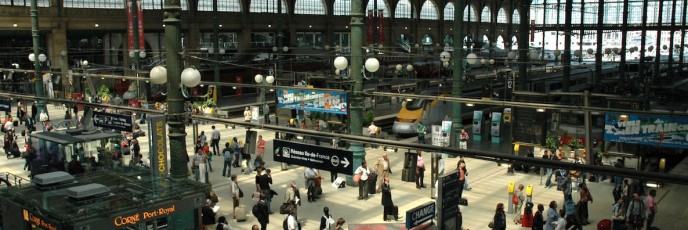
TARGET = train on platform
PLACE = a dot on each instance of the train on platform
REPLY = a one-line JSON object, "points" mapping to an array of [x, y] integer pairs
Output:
{"points": [[434, 111]]}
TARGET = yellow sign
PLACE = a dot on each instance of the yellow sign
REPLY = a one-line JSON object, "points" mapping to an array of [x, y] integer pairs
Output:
{"points": [[511, 186], [529, 190], [37, 221], [135, 218]]}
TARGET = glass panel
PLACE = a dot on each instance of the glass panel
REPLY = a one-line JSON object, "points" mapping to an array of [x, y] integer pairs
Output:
{"points": [[428, 11], [486, 16], [341, 39], [449, 12], [94, 4], [309, 7], [403, 9], [262, 39], [342, 7], [381, 4], [222, 5], [309, 39], [40, 3], [469, 12], [267, 6], [515, 18], [501, 16]]}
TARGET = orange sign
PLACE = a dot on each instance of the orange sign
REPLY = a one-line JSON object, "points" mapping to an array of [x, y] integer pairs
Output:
{"points": [[37, 221], [135, 218]]}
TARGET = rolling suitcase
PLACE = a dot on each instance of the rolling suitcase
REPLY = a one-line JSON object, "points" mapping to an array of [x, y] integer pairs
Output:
{"points": [[240, 213], [372, 181]]}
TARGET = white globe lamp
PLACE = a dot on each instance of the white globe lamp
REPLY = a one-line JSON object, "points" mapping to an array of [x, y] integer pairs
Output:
{"points": [[191, 77], [340, 63], [32, 57], [492, 61], [270, 79], [158, 75], [409, 67], [372, 65], [471, 58], [557, 53], [258, 78], [483, 61], [399, 67], [511, 55], [42, 57], [445, 56]]}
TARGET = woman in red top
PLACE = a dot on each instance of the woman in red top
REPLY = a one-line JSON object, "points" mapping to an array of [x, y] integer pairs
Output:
{"points": [[260, 147], [206, 151]]}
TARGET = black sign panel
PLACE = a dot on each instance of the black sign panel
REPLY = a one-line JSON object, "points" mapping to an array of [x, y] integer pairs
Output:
{"points": [[112, 121], [329, 159], [450, 195], [420, 214], [6, 106]]}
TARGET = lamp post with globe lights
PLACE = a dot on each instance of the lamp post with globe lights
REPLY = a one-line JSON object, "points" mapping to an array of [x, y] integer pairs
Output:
{"points": [[259, 79], [38, 62]]}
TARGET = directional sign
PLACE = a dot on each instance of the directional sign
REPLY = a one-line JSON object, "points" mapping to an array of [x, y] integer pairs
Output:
{"points": [[112, 121], [6, 106], [329, 159], [448, 200], [420, 214]]}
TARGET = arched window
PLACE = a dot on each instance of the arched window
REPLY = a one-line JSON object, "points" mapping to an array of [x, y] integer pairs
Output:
{"points": [[403, 9], [428, 11], [469, 12], [486, 15], [222, 5], [449, 12], [158, 4], [381, 5], [501, 16], [516, 17], [342, 7], [309, 7], [94, 4], [267, 6], [40, 3]]}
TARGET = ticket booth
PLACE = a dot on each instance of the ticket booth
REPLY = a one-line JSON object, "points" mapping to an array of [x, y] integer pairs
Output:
{"points": [[123, 199]]}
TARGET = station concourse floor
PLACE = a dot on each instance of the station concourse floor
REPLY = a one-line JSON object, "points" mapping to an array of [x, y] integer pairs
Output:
{"points": [[488, 182]]}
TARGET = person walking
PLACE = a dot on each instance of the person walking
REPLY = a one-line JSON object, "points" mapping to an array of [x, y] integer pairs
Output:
{"points": [[382, 170], [387, 203], [310, 175], [549, 171], [234, 191], [618, 215], [263, 182], [636, 213], [203, 138], [237, 152], [247, 114], [499, 219], [260, 147], [227, 166], [420, 170], [421, 133], [215, 140], [372, 132], [34, 110], [538, 219], [462, 177], [208, 156], [199, 158], [261, 212], [552, 216], [327, 221], [292, 223], [571, 213], [266, 113], [222, 224], [292, 198], [521, 198], [463, 139], [651, 205], [363, 172], [585, 197]]}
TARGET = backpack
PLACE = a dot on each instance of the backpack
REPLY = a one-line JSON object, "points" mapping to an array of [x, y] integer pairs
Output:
{"points": [[329, 222], [514, 199]]}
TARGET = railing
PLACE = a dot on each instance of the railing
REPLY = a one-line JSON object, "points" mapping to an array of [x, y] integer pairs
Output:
{"points": [[9, 179]]}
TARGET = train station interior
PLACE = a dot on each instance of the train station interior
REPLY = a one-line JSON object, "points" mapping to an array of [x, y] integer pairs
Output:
{"points": [[600, 83]]}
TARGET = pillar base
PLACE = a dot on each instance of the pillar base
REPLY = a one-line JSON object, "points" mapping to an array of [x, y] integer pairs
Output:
{"points": [[359, 157]]}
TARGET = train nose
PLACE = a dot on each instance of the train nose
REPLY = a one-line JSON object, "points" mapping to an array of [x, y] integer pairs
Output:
{"points": [[402, 128]]}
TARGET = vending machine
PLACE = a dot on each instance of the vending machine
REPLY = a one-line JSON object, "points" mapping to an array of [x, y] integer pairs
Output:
{"points": [[494, 127]]}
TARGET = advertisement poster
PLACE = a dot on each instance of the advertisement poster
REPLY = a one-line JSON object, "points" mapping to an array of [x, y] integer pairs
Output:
{"points": [[664, 131], [313, 100]]}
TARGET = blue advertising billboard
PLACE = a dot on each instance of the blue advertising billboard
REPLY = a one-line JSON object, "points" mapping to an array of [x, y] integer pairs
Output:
{"points": [[313, 100], [664, 131]]}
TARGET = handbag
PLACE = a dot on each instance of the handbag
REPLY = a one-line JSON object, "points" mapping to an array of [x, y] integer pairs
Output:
{"points": [[241, 193], [256, 196], [357, 178], [284, 207]]}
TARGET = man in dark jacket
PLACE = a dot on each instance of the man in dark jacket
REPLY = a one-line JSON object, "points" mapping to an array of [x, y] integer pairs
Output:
{"points": [[208, 215], [34, 111], [387, 203], [261, 212]]}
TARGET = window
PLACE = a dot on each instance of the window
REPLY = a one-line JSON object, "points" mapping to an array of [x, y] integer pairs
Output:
{"points": [[501, 16], [342, 7], [267, 6], [428, 11], [226, 40], [403, 9], [222, 5], [40, 3], [381, 5], [309, 7], [341, 39], [158, 4], [486, 15], [94, 4], [468, 12], [262, 39], [516, 17], [309, 39], [449, 12]]}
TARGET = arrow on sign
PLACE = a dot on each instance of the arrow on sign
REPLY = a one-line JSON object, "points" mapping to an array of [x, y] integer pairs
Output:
{"points": [[345, 162]]}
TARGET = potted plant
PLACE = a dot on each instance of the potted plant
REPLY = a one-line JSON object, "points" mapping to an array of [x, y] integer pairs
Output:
{"points": [[368, 117], [104, 93], [576, 147], [552, 141], [208, 104]]}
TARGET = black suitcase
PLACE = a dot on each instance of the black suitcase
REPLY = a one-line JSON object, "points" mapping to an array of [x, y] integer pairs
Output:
{"points": [[15, 123], [463, 202], [372, 181]]}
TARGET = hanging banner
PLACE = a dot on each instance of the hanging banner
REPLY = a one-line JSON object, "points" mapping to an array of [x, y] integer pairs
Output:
{"points": [[139, 14], [314, 101], [371, 24], [381, 24], [139, 22], [157, 139], [662, 131]]}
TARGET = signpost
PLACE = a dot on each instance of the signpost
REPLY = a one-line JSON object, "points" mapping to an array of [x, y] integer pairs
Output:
{"points": [[448, 201], [328, 159], [420, 214], [113, 121]]}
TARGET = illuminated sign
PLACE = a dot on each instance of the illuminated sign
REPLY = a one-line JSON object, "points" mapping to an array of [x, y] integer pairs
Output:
{"points": [[158, 145], [131, 219], [663, 131], [313, 100], [38, 221]]}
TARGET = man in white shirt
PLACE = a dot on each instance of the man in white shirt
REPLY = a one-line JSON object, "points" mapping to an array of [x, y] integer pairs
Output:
{"points": [[215, 141], [363, 183], [372, 131]]}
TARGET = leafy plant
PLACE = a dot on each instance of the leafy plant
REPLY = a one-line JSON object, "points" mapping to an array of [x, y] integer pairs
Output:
{"points": [[103, 92], [552, 141], [369, 117], [575, 144]]}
